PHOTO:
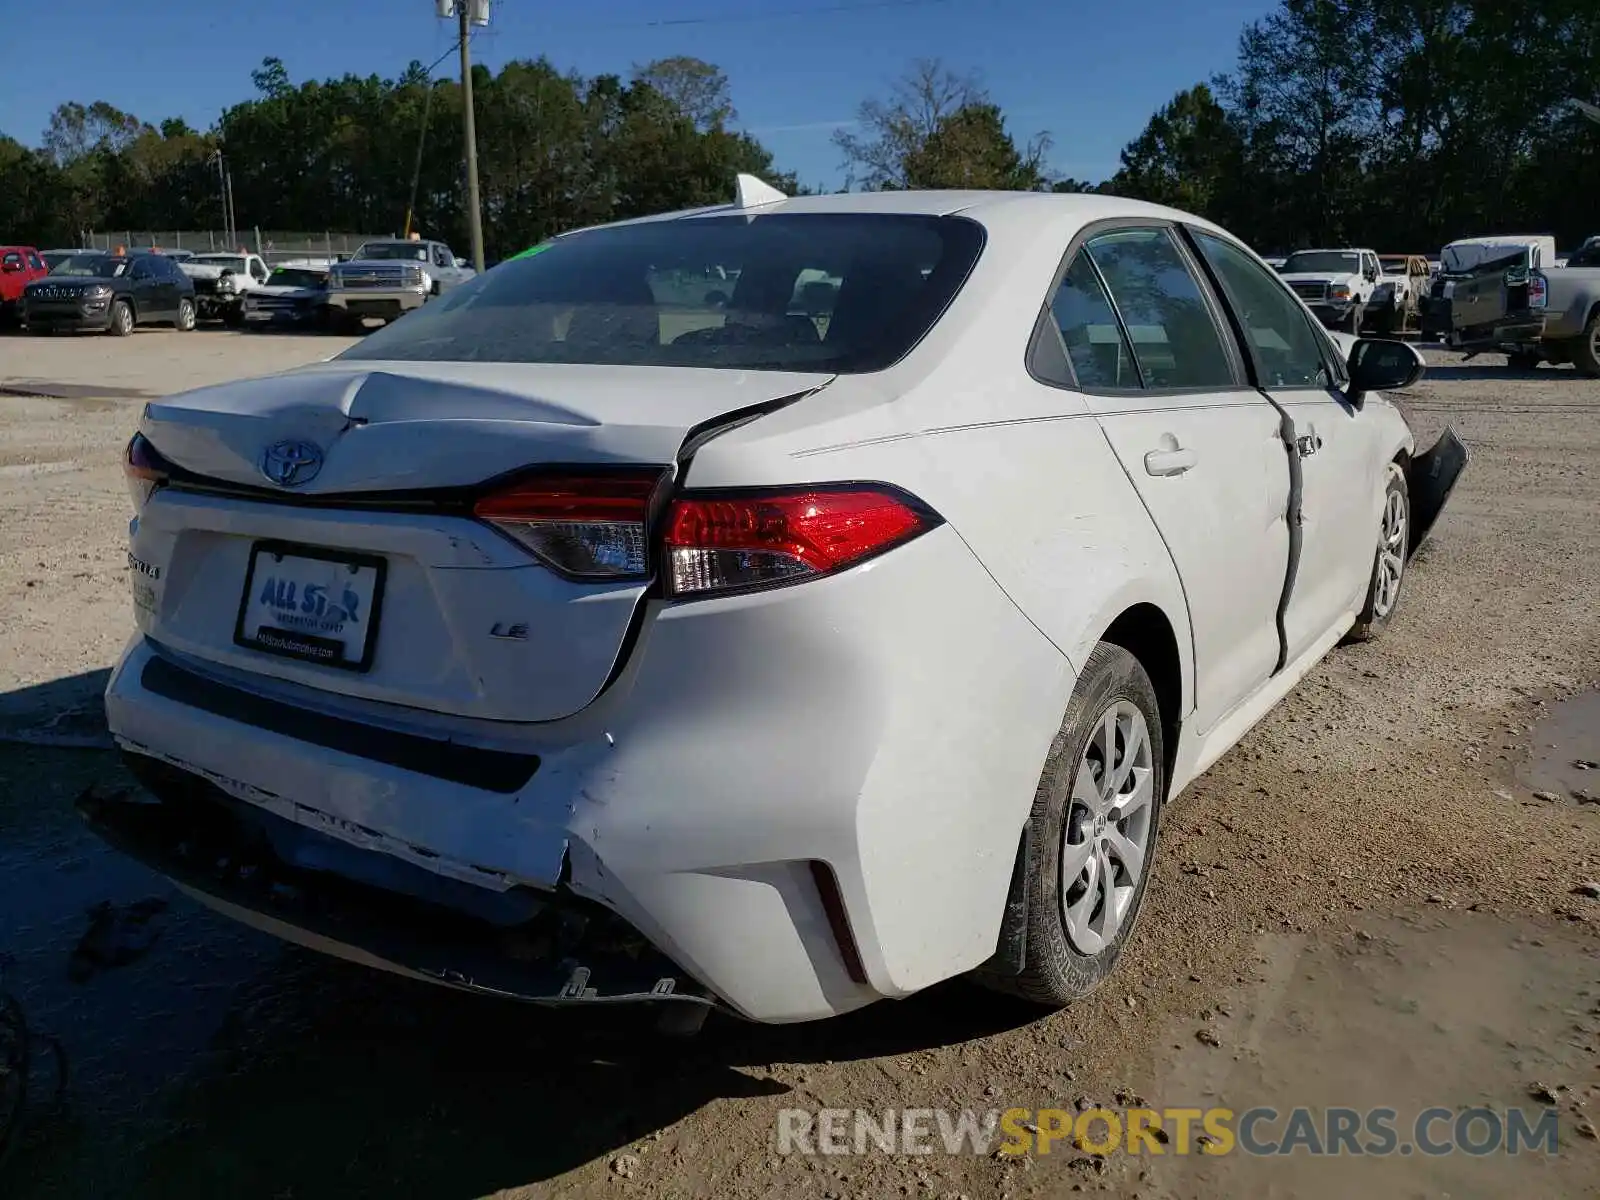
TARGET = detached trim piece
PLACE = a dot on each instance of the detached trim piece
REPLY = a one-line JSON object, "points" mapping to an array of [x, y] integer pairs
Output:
{"points": [[491, 770]]}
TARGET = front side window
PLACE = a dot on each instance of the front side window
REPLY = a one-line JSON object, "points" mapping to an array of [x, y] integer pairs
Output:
{"points": [[716, 292], [1175, 340], [1288, 352], [33, 262]]}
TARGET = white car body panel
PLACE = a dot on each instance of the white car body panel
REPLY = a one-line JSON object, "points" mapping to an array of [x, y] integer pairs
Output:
{"points": [[889, 721]]}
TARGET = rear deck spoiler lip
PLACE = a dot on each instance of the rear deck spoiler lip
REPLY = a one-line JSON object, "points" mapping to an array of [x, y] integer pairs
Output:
{"points": [[1431, 478]]}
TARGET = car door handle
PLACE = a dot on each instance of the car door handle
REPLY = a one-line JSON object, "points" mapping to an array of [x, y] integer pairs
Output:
{"points": [[1169, 462]]}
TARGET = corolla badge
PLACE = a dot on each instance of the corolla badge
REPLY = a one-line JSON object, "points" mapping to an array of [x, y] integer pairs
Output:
{"points": [[291, 463]]}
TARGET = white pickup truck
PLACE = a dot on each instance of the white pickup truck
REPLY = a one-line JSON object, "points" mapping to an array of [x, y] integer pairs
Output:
{"points": [[1337, 285], [221, 282], [389, 278]]}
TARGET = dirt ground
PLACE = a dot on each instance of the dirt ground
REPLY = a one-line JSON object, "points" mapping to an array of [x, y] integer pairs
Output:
{"points": [[1383, 897]]}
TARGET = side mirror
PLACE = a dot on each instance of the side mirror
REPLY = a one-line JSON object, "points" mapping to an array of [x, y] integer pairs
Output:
{"points": [[1380, 365], [460, 262], [12, 266]]}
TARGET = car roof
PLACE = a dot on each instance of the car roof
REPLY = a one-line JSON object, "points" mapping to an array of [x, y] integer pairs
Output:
{"points": [[990, 208]]}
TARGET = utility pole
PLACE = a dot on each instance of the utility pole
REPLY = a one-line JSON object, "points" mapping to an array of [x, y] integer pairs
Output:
{"points": [[469, 12], [223, 191]]}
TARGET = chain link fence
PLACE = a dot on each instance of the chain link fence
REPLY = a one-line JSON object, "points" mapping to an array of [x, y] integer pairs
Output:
{"points": [[274, 245]]}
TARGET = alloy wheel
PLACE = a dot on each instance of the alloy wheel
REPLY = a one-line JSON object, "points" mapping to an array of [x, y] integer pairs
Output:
{"points": [[1106, 836], [1391, 554]]}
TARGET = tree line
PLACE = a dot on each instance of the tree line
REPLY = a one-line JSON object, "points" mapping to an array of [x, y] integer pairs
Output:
{"points": [[1398, 124]]}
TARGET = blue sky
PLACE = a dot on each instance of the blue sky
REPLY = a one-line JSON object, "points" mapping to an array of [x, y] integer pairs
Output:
{"points": [[1090, 74]]}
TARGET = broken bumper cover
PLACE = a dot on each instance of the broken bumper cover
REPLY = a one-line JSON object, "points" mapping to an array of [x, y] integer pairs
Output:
{"points": [[1431, 477], [537, 947]]}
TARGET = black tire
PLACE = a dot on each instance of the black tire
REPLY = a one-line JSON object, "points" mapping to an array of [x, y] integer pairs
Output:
{"points": [[1523, 361], [1357, 315], [1056, 972], [1375, 615], [1586, 349], [122, 320], [185, 320]]}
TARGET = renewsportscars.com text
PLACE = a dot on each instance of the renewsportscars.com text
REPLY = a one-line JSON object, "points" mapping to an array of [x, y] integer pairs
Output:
{"points": [[1260, 1131]]}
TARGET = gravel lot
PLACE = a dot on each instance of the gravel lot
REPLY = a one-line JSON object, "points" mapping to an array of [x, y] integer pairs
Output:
{"points": [[1376, 899]]}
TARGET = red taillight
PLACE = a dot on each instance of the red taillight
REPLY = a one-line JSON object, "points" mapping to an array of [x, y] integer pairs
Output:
{"points": [[1538, 291], [586, 527], [718, 543], [145, 470]]}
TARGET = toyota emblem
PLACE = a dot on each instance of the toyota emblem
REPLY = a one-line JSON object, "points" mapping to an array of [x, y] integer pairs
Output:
{"points": [[291, 463]]}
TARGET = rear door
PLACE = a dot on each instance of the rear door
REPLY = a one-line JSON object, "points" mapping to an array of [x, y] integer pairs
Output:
{"points": [[1203, 449], [1335, 449]]}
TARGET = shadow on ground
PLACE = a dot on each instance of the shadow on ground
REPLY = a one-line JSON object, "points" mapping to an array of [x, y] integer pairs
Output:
{"points": [[65, 713], [222, 1062], [1492, 370]]}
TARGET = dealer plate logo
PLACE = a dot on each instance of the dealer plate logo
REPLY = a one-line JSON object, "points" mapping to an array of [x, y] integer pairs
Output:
{"points": [[291, 463]]}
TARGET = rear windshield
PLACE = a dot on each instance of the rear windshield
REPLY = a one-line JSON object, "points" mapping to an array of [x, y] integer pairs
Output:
{"points": [[836, 292]]}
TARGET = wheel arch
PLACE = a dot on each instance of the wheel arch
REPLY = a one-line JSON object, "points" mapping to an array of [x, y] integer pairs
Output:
{"points": [[1145, 632], [1164, 649]]}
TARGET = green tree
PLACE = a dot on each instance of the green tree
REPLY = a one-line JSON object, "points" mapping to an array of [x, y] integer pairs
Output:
{"points": [[695, 89], [970, 148], [1188, 156]]}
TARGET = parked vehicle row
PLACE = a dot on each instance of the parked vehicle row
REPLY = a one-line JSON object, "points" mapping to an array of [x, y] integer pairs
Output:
{"points": [[1509, 294], [116, 291]]}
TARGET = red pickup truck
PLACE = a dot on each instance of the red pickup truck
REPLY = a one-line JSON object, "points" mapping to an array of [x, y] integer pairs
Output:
{"points": [[19, 266]]}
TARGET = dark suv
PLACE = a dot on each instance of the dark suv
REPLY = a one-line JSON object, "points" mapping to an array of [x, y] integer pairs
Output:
{"points": [[110, 292]]}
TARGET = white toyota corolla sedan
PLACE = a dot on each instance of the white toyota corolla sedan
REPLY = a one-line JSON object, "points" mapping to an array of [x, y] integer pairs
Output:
{"points": [[774, 607]]}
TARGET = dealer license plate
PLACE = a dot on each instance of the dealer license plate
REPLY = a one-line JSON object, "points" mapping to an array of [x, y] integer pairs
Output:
{"points": [[320, 606]]}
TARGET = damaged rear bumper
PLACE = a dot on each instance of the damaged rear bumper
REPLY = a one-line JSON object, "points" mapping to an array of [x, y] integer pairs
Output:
{"points": [[547, 948]]}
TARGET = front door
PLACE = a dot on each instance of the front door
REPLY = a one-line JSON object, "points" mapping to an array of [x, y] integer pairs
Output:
{"points": [[1340, 481], [1202, 448]]}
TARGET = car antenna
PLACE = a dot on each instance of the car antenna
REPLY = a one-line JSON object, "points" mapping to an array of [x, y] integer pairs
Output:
{"points": [[751, 192]]}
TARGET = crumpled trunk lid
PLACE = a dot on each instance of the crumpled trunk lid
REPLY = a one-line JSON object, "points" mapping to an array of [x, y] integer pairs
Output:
{"points": [[444, 612]]}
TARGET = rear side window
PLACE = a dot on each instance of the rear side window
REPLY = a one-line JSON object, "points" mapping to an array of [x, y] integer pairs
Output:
{"points": [[1090, 333], [1164, 314], [1288, 352], [834, 292]]}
